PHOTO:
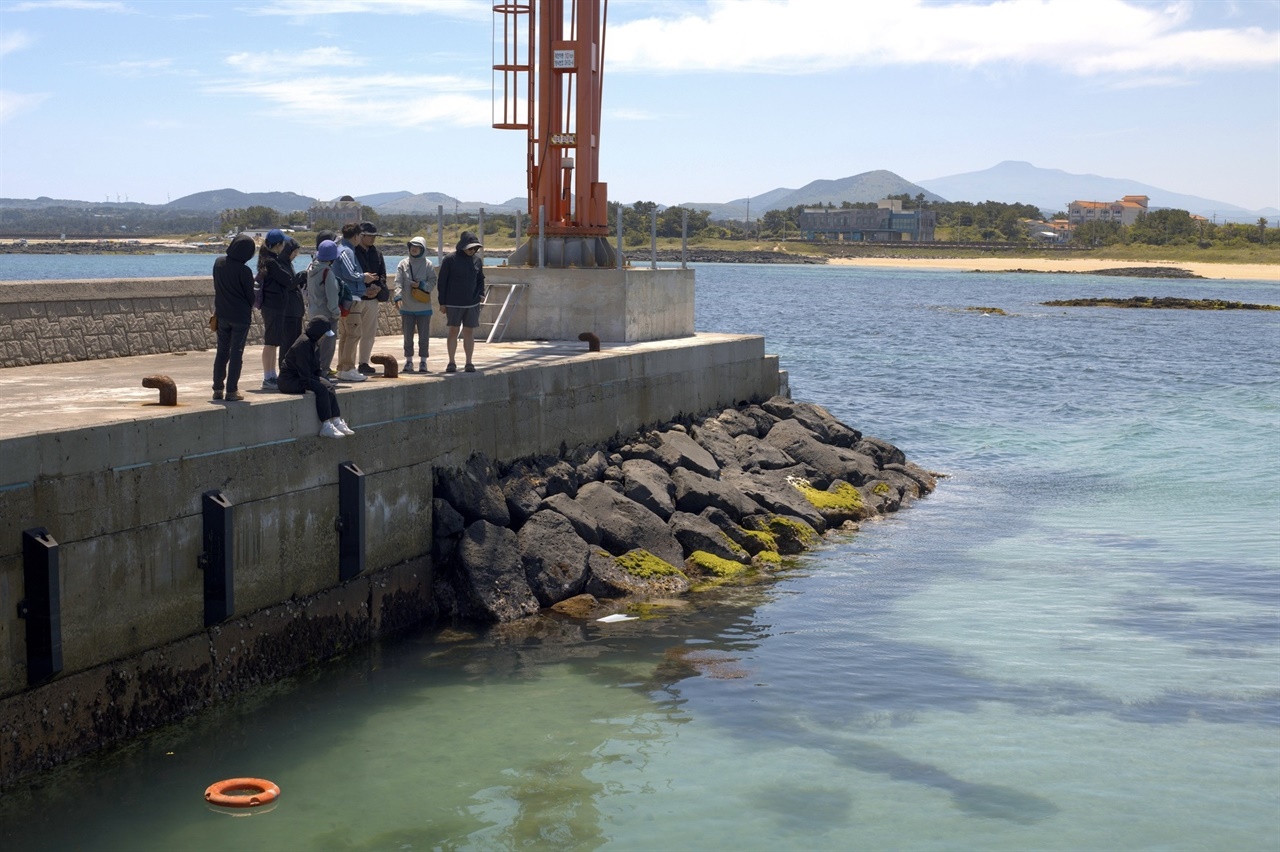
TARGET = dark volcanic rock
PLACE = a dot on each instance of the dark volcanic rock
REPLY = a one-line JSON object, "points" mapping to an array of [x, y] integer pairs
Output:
{"points": [[584, 523], [673, 449], [816, 419], [523, 494], [650, 486], [473, 491], [554, 556], [883, 452], [626, 525], [831, 462], [609, 578], [736, 423], [592, 470], [715, 439], [447, 526], [755, 454], [695, 493], [492, 574], [772, 491], [697, 533], [562, 479]]}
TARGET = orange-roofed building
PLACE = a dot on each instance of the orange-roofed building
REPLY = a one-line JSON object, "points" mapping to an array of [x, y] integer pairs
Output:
{"points": [[1125, 211]]}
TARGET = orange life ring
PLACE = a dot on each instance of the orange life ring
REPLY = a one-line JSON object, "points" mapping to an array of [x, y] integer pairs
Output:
{"points": [[242, 793]]}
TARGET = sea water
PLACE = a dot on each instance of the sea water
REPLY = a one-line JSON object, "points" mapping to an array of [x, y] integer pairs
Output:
{"points": [[1073, 644]]}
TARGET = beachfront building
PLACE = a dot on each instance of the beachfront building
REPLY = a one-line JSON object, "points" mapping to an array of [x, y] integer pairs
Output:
{"points": [[334, 213], [888, 222], [1125, 211]]}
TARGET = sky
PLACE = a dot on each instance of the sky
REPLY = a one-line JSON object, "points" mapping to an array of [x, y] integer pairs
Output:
{"points": [[704, 100]]}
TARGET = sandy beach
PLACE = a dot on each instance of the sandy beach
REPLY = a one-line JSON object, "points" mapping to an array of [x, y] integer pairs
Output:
{"points": [[1232, 271]]}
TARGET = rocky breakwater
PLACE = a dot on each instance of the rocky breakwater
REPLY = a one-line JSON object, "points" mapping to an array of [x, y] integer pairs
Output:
{"points": [[659, 513]]}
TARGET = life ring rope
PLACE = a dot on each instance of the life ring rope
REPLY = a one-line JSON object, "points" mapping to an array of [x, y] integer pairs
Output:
{"points": [[242, 793]]}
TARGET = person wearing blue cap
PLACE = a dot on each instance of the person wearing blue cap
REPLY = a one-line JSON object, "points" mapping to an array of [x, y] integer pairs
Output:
{"points": [[324, 297], [276, 298]]}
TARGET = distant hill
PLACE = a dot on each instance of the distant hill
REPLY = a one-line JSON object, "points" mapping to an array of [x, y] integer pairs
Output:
{"points": [[217, 200], [377, 199], [868, 186], [1052, 190], [429, 202]]}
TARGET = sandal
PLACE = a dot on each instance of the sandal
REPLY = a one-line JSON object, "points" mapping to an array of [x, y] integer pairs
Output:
{"points": [[452, 368]]}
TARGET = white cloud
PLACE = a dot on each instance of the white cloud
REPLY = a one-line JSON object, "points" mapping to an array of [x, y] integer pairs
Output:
{"points": [[12, 41], [312, 93], [16, 103], [73, 5], [278, 62], [137, 67], [465, 9], [630, 114], [1096, 37]]}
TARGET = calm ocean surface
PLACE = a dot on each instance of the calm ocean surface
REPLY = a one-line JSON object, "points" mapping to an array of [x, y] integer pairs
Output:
{"points": [[1073, 645]]}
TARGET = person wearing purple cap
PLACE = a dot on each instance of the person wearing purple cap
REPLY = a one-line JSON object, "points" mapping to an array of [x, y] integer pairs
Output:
{"points": [[324, 298]]}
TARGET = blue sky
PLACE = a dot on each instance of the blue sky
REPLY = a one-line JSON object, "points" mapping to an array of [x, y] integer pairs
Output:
{"points": [[703, 101]]}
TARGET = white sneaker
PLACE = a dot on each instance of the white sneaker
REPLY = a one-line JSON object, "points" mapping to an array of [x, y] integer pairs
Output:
{"points": [[329, 430], [342, 426], [352, 376]]}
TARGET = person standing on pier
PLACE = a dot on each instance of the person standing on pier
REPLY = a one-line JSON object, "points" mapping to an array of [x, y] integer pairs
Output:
{"points": [[461, 292], [281, 304], [351, 328], [415, 280], [324, 296], [301, 371], [371, 261], [233, 308]]}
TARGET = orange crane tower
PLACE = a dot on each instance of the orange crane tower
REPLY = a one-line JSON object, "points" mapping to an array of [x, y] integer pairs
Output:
{"points": [[549, 67]]}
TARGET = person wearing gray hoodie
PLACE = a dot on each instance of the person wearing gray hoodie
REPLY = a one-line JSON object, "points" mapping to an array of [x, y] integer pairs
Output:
{"points": [[415, 282], [233, 307], [324, 296]]}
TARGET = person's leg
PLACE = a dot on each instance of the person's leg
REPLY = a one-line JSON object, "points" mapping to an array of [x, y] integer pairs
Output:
{"points": [[423, 322], [468, 343], [368, 330], [324, 397], [349, 338], [407, 326], [324, 353], [292, 331], [451, 344], [221, 357], [239, 334]]}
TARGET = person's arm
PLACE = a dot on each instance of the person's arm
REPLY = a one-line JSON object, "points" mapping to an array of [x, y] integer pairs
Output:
{"points": [[332, 291], [442, 282], [346, 271], [385, 293], [402, 280], [244, 282]]}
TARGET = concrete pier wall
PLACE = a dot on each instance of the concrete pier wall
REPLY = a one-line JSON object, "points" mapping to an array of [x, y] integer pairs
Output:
{"points": [[123, 501], [50, 322]]}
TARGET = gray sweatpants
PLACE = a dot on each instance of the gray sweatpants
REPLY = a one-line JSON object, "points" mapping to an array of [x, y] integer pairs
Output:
{"points": [[420, 323]]}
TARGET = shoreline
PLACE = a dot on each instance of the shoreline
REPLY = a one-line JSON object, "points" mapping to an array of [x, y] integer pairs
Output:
{"points": [[1209, 271]]}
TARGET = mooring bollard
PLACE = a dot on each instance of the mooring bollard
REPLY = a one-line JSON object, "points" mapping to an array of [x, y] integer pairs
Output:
{"points": [[167, 387], [593, 342], [390, 366]]}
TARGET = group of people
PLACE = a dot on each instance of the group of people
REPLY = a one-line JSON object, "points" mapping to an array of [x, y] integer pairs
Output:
{"points": [[338, 296]]}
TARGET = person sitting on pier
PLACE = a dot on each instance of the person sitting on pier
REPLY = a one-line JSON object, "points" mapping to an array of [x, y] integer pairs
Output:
{"points": [[461, 291], [301, 372]]}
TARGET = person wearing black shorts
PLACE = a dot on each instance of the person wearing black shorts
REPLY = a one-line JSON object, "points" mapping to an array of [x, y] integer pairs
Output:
{"points": [[460, 291]]}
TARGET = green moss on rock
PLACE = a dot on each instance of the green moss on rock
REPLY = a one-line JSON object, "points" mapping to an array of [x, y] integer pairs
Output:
{"points": [[768, 557], [882, 488], [762, 542], [710, 564], [845, 498], [646, 566]]}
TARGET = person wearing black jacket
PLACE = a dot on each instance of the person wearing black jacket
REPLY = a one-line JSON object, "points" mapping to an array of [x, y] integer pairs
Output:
{"points": [[370, 260], [233, 307], [460, 291], [300, 371], [282, 307]]}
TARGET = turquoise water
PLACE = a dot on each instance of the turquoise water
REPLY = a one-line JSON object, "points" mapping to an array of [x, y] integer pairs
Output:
{"points": [[1073, 644]]}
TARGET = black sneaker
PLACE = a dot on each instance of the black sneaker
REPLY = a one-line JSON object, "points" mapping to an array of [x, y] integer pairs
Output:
{"points": [[367, 370]]}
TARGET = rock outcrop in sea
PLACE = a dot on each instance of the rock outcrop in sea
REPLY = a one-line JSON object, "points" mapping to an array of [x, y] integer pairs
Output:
{"points": [[656, 514]]}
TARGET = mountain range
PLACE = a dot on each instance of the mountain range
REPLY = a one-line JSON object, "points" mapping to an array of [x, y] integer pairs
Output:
{"points": [[1011, 181]]}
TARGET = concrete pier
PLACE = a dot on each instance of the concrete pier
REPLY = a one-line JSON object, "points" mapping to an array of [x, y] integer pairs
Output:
{"points": [[87, 453]]}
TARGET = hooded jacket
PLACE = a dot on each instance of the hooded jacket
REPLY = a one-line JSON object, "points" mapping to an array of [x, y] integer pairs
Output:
{"points": [[415, 272], [461, 279], [300, 363], [323, 290], [370, 259], [279, 290], [233, 282]]}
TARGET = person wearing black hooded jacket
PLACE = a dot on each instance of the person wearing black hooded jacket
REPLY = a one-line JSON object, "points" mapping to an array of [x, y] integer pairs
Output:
{"points": [[300, 371], [233, 306], [460, 290]]}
